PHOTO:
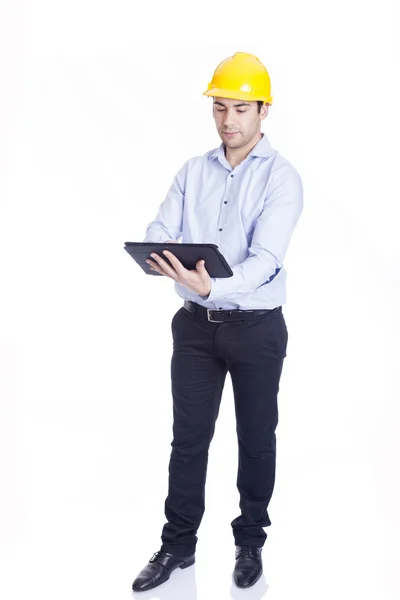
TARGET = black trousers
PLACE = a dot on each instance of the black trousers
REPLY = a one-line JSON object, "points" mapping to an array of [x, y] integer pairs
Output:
{"points": [[252, 350]]}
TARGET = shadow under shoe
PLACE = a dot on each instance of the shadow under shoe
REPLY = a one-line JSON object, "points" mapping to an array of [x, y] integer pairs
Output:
{"points": [[159, 569], [248, 566]]}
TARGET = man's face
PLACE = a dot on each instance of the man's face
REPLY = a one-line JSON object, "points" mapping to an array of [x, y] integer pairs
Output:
{"points": [[237, 121]]}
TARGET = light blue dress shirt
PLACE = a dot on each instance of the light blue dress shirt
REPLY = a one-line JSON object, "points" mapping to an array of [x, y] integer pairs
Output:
{"points": [[249, 212]]}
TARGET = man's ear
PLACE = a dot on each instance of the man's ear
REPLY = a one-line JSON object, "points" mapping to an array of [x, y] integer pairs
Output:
{"points": [[264, 112]]}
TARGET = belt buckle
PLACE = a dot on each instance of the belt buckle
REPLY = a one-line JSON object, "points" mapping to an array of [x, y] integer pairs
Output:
{"points": [[209, 310]]}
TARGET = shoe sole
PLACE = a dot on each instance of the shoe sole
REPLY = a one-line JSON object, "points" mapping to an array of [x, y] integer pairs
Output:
{"points": [[185, 565]]}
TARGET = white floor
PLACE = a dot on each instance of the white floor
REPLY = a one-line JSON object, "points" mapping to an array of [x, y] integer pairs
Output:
{"points": [[96, 554], [329, 538]]}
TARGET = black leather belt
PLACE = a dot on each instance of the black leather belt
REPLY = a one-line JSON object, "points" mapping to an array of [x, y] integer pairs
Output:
{"points": [[223, 316]]}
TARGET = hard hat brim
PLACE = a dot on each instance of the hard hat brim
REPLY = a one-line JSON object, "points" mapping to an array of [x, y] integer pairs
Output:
{"points": [[235, 95]]}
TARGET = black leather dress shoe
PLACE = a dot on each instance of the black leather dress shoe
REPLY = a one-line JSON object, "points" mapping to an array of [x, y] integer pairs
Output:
{"points": [[248, 567], [159, 569]]}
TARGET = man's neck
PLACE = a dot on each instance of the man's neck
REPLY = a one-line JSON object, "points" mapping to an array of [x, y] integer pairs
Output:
{"points": [[235, 156]]}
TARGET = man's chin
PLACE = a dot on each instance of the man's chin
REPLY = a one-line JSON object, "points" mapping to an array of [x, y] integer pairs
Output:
{"points": [[232, 144]]}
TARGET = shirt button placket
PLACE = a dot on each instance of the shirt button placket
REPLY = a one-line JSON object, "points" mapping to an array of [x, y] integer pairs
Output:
{"points": [[226, 193]]}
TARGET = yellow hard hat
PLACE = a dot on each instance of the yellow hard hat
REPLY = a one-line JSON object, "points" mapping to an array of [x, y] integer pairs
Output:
{"points": [[241, 77]]}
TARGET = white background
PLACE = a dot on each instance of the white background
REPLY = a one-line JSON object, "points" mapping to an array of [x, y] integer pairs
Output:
{"points": [[100, 104]]}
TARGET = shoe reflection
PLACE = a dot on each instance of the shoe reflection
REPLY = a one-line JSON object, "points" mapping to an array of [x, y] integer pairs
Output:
{"points": [[180, 586]]}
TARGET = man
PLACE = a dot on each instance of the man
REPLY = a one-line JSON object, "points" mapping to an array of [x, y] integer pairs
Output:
{"points": [[247, 199]]}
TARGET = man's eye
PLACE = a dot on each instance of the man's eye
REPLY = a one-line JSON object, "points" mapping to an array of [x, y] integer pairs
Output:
{"points": [[222, 110]]}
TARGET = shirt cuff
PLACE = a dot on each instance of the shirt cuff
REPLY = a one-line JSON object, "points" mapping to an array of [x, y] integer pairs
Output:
{"points": [[215, 291], [212, 281]]}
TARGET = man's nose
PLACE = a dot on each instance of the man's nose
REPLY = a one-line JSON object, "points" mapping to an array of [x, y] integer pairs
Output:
{"points": [[228, 118]]}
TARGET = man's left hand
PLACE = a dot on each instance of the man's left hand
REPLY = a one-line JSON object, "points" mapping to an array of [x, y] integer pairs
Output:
{"points": [[198, 280]]}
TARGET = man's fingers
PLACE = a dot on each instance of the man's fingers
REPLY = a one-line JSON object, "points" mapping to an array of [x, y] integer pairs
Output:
{"points": [[162, 267], [155, 267], [177, 265], [160, 271]]}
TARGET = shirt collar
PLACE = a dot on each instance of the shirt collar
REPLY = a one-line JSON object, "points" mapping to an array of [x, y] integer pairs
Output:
{"points": [[263, 148]]}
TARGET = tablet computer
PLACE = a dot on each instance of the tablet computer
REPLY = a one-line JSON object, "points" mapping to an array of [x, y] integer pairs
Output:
{"points": [[187, 254]]}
